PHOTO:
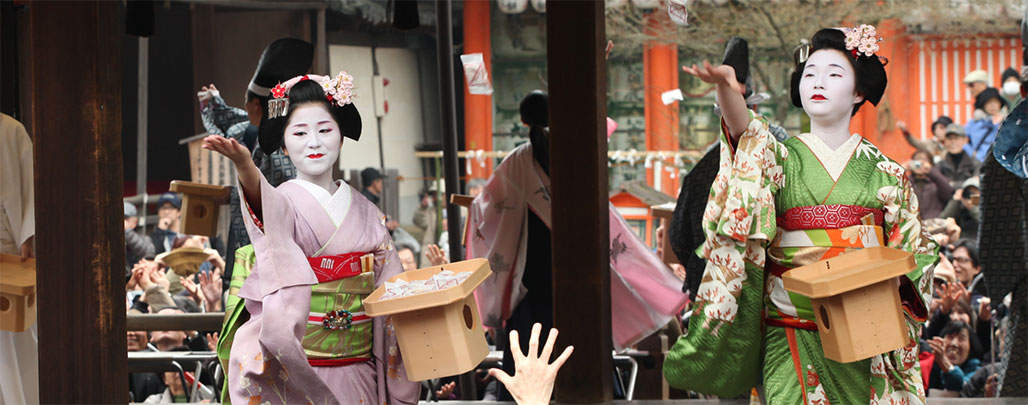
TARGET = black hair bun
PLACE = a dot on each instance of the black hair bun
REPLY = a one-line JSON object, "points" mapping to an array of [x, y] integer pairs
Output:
{"points": [[869, 70], [271, 131]]}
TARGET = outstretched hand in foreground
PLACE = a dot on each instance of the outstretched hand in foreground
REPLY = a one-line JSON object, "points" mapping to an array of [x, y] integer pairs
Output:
{"points": [[532, 383]]}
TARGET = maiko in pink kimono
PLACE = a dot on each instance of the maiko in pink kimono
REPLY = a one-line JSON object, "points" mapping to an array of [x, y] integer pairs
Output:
{"points": [[321, 248]]}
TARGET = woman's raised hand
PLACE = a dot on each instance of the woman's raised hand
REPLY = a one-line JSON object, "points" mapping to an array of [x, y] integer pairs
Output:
{"points": [[720, 74], [228, 147]]}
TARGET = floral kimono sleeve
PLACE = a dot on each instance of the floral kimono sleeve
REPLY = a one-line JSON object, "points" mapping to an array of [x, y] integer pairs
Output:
{"points": [[721, 354], [897, 374]]}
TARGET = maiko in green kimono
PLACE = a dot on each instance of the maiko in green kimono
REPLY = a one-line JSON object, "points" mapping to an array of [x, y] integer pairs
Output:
{"points": [[779, 205]]}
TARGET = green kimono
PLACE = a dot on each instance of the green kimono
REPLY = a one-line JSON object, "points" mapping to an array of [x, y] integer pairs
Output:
{"points": [[779, 205]]}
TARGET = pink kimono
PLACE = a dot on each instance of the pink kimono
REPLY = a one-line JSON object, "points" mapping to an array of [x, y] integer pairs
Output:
{"points": [[644, 292], [268, 361]]}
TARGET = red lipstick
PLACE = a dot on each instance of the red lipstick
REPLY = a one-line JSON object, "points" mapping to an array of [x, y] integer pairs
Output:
{"points": [[818, 97], [316, 155]]}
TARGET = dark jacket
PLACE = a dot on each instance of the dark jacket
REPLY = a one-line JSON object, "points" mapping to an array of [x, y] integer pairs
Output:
{"points": [[160, 236], [933, 192], [953, 380], [958, 172], [136, 247], [975, 386], [686, 230], [966, 218]]}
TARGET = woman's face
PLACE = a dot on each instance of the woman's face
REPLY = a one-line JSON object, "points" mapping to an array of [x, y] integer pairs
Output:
{"points": [[828, 86], [958, 345], [993, 106], [312, 140]]}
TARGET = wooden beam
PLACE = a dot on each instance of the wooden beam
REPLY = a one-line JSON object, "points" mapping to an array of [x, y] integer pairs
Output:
{"points": [[151, 322], [76, 117], [578, 175]]}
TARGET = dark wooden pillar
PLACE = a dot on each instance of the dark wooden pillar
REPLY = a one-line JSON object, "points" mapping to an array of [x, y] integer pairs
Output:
{"points": [[76, 119], [575, 40]]}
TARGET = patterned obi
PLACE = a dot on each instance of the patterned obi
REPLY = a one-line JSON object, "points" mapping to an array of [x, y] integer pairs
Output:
{"points": [[338, 332], [807, 235]]}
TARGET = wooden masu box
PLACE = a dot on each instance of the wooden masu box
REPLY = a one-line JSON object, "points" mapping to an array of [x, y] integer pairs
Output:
{"points": [[200, 206], [856, 301], [439, 332], [17, 293]]}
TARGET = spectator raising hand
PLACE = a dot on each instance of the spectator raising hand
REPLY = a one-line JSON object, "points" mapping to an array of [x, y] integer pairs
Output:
{"points": [[435, 255], [532, 384], [212, 341], [193, 289], [210, 286]]}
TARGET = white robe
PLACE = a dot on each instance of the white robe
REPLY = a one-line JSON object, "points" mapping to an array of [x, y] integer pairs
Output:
{"points": [[19, 369]]}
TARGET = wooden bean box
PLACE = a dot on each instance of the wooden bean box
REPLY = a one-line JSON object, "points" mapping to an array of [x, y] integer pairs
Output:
{"points": [[440, 332], [17, 293], [856, 301]]}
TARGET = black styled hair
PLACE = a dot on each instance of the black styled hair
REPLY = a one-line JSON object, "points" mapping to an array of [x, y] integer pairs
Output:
{"points": [[972, 252], [271, 131], [869, 71], [974, 346], [535, 112]]}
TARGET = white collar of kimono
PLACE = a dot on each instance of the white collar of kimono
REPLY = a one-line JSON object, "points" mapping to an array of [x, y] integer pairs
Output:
{"points": [[834, 161], [335, 205]]}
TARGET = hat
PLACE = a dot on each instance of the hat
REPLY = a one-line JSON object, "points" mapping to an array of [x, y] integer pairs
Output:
{"points": [[173, 198], [973, 181], [942, 120], [737, 55], [130, 209], [369, 175], [955, 129], [985, 95], [283, 59], [977, 76], [1010, 72]]}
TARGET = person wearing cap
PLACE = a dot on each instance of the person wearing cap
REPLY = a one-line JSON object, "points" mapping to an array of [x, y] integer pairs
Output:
{"points": [[281, 60], [136, 246], [976, 81], [957, 165], [169, 211], [964, 209], [990, 110], [933, 145]]}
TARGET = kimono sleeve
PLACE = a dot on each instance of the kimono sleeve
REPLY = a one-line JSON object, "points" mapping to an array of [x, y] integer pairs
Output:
{"points": [[905, 231], [496, 232], [721, 354], [280, 260], [393, 386]]}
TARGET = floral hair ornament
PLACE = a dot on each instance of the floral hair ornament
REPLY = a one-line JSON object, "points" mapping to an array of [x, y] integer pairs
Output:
{"points": [[338, 91], [862, 40]]}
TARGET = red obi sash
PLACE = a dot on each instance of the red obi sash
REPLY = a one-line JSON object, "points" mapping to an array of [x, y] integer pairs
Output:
{"points": [[336, 267], [833, 216]]}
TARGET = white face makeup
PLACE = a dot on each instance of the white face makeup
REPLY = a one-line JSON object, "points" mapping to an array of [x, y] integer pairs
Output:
{"points": [[312, 140], [828, 86]]}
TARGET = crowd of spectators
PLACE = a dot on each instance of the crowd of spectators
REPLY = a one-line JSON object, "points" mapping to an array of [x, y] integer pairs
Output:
{"points": [[152, 287], [962, 340]]}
